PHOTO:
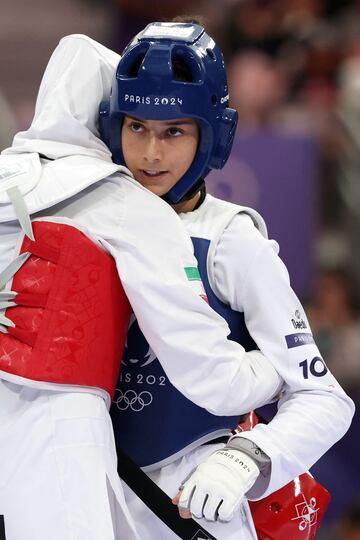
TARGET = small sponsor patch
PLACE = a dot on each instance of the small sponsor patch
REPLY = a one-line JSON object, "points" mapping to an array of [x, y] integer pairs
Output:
{"points": [[192, 273], [298, 322], [299, 339], [13, 170]]}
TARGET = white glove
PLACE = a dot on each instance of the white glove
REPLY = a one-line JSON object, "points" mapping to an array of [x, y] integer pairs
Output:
{"points": [[217, 486]]}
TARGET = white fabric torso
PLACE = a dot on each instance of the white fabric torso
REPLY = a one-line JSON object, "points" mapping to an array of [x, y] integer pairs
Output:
{"points": [[209, 222], [246, 273]]}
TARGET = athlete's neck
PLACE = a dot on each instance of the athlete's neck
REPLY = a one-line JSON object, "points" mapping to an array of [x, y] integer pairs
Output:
{"points": [[187, 206]]}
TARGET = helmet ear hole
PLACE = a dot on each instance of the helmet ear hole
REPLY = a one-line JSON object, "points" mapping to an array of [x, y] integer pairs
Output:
{"points": [[214, 100]]}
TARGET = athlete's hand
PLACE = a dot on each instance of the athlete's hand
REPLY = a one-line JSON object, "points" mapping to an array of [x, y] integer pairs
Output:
{"points": [[216, 488]]}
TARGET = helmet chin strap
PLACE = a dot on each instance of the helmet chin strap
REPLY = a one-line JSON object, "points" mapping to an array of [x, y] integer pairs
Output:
{"points": [[198, 186]]}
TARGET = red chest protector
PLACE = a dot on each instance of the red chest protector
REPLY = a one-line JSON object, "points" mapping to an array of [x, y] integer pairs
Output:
{"points": [[72, 315]]}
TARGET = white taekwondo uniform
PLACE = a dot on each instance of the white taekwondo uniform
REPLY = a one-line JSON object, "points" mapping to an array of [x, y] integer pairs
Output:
{"points": [[242, 273], [58, 475]]}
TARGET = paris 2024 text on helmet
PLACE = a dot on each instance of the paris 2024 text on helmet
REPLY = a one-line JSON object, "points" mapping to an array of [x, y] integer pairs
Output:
{"points": [[170, 71]]}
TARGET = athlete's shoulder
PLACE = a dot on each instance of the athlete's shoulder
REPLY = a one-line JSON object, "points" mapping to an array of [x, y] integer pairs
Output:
{"points": [[244, 236], [214, 216], [244, 218]]}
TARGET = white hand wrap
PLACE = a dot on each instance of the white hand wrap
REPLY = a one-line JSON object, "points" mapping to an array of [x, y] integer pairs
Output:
{"points": [[217, 486]]}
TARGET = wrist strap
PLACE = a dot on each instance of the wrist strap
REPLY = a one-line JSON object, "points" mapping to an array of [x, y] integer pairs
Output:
{"points": [[249, 448]]}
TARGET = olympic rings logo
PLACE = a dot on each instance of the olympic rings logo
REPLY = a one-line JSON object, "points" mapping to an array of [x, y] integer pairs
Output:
{"points": [[130, 398]]}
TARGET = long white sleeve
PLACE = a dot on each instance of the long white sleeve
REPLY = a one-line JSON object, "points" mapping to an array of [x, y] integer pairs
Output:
{"points": [[152, 250], [142, 232], [314, 412], [187, 336]]}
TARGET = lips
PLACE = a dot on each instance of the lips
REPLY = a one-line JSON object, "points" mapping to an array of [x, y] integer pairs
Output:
{"points": [[153, 174]]}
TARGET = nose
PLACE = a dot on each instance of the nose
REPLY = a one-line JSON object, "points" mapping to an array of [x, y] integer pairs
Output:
{"points": [[153, 150]]}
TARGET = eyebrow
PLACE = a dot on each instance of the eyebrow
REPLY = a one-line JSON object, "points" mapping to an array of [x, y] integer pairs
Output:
{"points": [[166, 123]]}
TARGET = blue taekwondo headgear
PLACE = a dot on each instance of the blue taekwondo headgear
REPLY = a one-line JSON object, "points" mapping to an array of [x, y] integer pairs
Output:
{"points": [[146, 86]]}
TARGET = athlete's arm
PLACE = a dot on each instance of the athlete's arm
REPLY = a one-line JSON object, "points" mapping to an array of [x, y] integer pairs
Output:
{"points": [[314, 412], [153, 252]]}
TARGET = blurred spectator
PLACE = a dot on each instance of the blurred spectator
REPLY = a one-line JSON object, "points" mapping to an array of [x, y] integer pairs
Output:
{"points": [[257, 88], [349, 526], [291, 88], [303, 42], [348, 24], [306, 22], [260, 90], [334, 317], [345, 527], [160, 10], [256, 25], [349, 163], [132, 16], [296, 32], [7, 124]]}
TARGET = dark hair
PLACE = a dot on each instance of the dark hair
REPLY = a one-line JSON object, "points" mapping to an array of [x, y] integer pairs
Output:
{"points": [[193, 19]]}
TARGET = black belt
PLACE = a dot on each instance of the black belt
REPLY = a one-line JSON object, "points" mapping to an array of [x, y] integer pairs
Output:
{"points": [[158, 501], [2, 528]]}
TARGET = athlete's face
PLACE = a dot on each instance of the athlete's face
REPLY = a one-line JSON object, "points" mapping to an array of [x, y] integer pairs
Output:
{"points": [[159, 152]]}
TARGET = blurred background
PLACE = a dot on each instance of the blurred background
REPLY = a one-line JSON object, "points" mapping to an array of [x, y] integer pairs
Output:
{"points": [[294, 77]]}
